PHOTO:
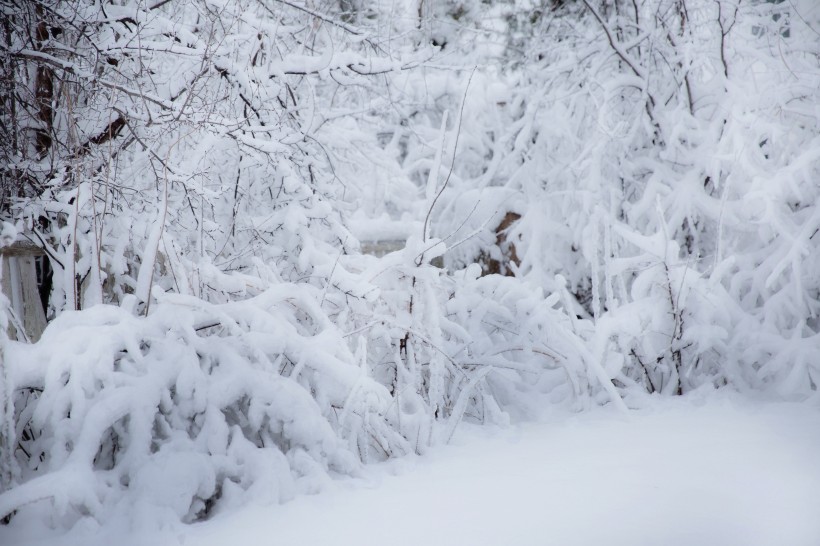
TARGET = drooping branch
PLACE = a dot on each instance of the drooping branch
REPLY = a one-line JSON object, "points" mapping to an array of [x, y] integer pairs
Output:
{"points": [[632, 63], [75, 70]]}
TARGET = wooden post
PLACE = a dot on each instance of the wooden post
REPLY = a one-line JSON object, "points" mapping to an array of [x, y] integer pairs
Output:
{"points": [[20, 287]]}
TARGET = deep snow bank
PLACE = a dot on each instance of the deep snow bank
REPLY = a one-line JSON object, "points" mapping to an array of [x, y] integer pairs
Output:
{"points": [[715, 470]]}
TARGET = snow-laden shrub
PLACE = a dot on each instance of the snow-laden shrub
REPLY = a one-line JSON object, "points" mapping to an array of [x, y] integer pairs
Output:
{"points": [[666, 158], [662, 159], [215, 335], [708, 173], [199, 407], [462, 346], [194, 404]]}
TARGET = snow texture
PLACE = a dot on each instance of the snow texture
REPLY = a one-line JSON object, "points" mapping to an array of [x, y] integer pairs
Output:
{"points": [[707, 470]]}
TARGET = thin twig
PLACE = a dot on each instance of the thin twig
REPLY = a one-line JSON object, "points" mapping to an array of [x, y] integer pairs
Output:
{"points": [[453, 160]]}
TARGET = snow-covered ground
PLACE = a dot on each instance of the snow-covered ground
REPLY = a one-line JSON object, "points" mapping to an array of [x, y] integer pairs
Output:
{"points": [[718, 470]]}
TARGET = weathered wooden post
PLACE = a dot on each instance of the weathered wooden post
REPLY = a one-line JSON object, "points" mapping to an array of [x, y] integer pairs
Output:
{"points": [[21, 287]]}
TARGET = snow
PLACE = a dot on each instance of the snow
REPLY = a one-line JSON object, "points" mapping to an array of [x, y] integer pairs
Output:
{"points": [[240, 201], [715, 469]]}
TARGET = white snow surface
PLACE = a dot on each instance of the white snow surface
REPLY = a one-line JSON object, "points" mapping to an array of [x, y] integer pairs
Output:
{"points": [[701, 470]]}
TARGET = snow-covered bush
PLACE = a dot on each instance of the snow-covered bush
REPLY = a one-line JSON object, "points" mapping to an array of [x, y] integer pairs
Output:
{"points": [[197, 173], [697, 94], [216, 337], [200, 406], [193, 404], [663, 159]]}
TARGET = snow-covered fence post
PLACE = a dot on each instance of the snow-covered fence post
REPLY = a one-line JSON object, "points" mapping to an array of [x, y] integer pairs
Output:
{"points": [[7, 428], [21, 285]]}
